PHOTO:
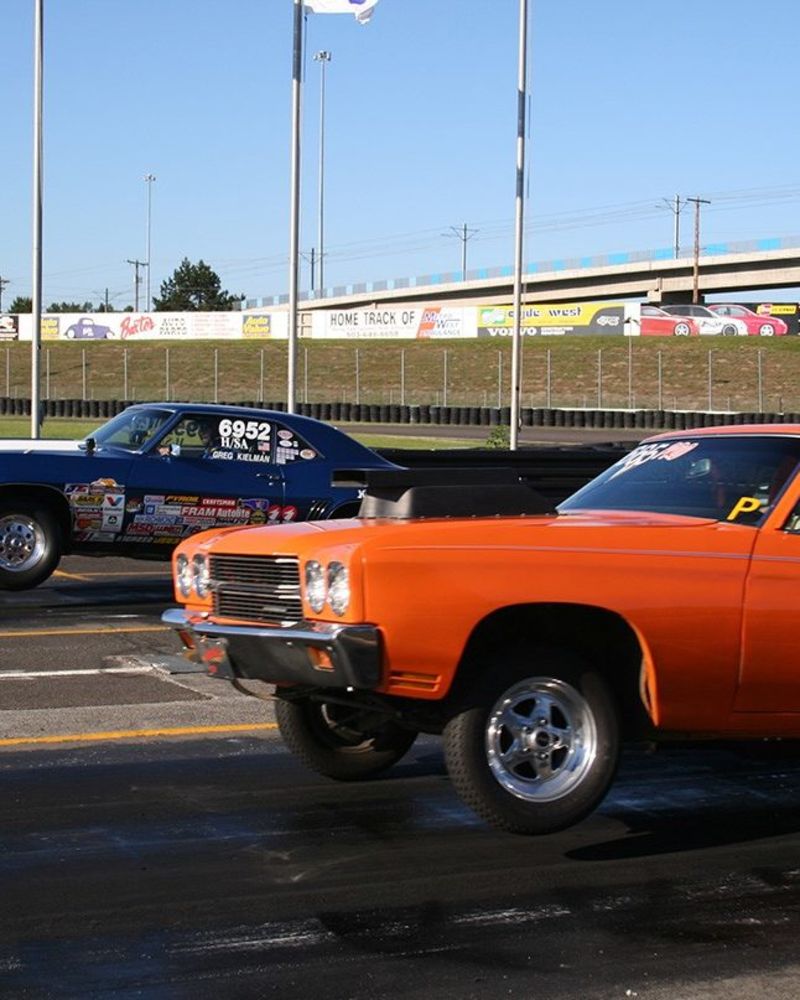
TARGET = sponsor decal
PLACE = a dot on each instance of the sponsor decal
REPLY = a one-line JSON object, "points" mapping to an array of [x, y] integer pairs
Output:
{"points": [[112, 520], [257, 325], [667, 451], [87, 500], [130, 326], [9, 327]]}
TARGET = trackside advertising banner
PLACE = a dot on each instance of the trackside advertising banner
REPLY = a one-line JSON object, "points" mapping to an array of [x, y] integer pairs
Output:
{"points": [[133, 326], [432, 322], [413, 322], [554, 320]]}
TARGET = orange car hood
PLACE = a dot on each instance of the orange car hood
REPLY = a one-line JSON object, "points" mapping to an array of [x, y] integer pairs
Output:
{"points": [[304, 537]]}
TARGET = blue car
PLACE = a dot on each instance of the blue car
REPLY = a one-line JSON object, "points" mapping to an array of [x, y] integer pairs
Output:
{"points": [[87, 329], [157, 473]]}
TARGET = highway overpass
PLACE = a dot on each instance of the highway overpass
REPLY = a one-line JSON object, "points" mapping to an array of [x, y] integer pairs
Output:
{"points": [[765, 264]]}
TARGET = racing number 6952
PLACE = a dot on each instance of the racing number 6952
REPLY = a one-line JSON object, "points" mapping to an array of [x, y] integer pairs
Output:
{"points": [[251, 430]]}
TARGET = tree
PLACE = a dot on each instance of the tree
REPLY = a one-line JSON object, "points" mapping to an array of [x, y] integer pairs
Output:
{"points": [[70, 307], [21, 304], [194, 288]]}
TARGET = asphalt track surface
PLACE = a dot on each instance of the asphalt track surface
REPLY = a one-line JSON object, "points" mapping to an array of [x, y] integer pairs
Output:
{"points": [[158, 842]]}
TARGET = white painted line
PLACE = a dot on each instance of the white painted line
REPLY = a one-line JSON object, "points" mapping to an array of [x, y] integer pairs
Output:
{"points": [[15, 675]]}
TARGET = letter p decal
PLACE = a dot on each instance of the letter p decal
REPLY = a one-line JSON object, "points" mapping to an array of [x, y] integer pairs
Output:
{"points": [[744, 505]]}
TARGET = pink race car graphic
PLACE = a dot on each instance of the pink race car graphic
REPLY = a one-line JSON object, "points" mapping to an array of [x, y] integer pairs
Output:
{"points": [[757, 326]]}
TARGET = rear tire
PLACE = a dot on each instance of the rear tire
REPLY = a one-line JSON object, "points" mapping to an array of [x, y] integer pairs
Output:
{"points": [[348, 743], [537, 748], [30, 544]]}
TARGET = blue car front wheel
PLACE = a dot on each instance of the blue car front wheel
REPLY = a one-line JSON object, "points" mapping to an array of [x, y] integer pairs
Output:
{"points": [[29, 545]]}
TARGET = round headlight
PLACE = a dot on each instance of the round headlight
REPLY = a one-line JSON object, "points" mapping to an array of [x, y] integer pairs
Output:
{"points": [[183, 575], [200, 569], [315, 586], [338, 588]]}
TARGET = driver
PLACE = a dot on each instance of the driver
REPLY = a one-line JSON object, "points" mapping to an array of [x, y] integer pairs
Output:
{"points": [[209, 438]]}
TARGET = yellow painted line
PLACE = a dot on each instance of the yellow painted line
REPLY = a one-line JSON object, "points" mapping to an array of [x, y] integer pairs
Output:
{"points": [[131, 734], [103, 630], [91, 576], [70, 576]]}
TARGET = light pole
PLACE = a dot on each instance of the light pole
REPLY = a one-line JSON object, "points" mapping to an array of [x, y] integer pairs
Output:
{"points": [[36, 301], [322, 58], [148, 179]]}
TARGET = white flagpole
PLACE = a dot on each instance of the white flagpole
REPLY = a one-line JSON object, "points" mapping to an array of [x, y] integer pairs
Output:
{"points": [[36, 304], [516, 342], [294, 228]]}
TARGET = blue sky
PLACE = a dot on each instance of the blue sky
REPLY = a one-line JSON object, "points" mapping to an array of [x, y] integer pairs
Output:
{"points": [[631, 102]]}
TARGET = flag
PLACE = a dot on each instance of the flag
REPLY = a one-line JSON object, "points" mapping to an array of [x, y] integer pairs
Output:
{"points": [[362, 9]]}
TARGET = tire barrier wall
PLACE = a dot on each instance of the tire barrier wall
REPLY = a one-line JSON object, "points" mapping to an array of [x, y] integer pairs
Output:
{"points": [[473, 416]]}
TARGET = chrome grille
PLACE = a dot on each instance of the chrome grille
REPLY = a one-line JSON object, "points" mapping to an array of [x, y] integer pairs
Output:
{"points": [[256, 588]]}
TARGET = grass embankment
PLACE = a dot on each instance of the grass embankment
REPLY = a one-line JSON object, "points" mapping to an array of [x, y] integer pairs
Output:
{"points": [[611, 372]]}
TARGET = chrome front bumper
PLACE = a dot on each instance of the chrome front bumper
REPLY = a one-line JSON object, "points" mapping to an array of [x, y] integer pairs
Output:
{"points": [[316, 653]]}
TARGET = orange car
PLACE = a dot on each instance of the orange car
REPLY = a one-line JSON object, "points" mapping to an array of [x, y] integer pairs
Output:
{"points": [[660, 600]]}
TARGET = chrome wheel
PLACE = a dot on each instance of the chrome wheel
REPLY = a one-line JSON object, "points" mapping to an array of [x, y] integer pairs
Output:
{"points": [[22, 543], [541, 739]]}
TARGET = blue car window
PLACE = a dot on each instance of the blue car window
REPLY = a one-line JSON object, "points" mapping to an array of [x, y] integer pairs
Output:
{"points": [[195, 436], [132, 429]]}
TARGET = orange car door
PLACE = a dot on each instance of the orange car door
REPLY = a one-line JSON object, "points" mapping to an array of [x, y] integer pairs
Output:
{"points": [[770, 667]]}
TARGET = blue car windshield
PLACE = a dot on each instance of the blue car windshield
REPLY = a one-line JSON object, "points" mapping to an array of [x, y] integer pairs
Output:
{"points": [[727, 478], [132, 429]]}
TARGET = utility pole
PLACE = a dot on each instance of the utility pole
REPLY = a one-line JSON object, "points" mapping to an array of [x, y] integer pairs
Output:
{"points": [[465, 235], [696, 272], [3, 283], [312, 260], [676, 207], [136, 280]]}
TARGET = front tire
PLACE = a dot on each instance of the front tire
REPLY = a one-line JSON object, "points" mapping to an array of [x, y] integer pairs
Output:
{"points": [[766, 330], [341, 741], [682, 330], [30, 545], [537, 748]]}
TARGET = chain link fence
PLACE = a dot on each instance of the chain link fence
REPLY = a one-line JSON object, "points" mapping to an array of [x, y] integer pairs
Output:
{"points": [[589, 373]]}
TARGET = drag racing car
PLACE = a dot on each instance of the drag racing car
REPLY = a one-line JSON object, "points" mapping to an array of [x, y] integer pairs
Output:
{"points": [[156, 473], [659, 601]]}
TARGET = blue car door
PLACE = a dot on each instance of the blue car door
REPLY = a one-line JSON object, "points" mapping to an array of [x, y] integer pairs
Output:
{"points": [[207, 471]]}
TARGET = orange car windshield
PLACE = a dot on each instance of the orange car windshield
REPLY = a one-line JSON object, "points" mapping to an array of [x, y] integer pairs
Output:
{"points": [[727, 478]]}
